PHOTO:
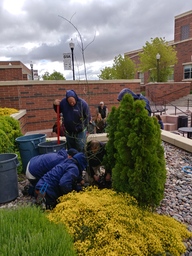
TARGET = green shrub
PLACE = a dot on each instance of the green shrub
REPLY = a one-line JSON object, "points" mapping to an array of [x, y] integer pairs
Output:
{"points": [[105, 223], [8, 111], [135, 143], [26, 231], [6, 146], [11, 127], [9, 131], [109, 159]]}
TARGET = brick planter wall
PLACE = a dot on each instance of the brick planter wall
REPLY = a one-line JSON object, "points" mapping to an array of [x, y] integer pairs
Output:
{"points": [[37, 97], [163, 93]]}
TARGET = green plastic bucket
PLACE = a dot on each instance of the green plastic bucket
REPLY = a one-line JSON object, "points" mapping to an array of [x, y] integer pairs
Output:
{"points": [[8, 177], [51, 146], [28, 147]]}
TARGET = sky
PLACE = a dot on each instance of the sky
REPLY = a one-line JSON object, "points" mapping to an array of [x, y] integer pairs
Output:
{"points": [[39, 31]]}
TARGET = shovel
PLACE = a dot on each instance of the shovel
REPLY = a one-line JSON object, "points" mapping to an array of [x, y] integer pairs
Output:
{"points": [[58, 125]]}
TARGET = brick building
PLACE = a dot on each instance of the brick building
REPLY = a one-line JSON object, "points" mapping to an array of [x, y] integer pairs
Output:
{"points": [[183, 45], [14, 70]]}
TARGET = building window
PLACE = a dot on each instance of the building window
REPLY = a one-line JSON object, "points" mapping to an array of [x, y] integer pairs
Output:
{"points": [[188, 72], [185, 32], [141, 76], [171, 76]]}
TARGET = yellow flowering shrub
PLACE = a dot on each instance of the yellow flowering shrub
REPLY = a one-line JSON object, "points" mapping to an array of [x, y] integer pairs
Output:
{"points": [[8, 111], [103, 222]]}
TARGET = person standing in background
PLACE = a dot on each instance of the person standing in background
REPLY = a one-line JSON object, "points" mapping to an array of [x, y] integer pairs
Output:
{"points": [[100, 124], [160, 122], [103, 110], [76, 117]]}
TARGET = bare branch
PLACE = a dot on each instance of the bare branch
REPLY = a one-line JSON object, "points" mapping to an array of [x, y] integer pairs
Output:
{"points": [[81, 40]]}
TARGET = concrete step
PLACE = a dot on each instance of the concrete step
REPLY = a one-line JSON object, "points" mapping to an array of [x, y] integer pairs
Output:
{"points": [[185, 101]]}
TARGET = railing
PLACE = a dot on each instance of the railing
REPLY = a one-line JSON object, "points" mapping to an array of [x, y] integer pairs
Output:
{"points": [[188, 104], [180, 110], [162, 100], [158, 104]]}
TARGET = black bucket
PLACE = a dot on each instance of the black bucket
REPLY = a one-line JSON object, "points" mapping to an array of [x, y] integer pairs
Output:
{"points": [[51, 146], [8, 177], [28, 147], [182, 121]]}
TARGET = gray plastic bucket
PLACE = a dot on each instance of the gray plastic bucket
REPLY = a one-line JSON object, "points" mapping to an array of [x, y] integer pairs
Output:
{"points": [[28, 147], [51, 146], [8, 177]]}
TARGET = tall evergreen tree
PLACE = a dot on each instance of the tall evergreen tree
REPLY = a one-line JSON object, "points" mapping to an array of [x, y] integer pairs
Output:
{"points": [[109, 158], [139, 167]]}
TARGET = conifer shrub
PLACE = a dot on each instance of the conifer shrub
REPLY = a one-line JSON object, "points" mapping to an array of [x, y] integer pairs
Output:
{"points": [[109, 159], [8, 111], [136, 150], [104, 222], [6, 146], [9, 131], [11, 127]]}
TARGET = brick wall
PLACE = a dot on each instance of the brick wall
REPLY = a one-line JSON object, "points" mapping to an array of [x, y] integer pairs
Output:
{"points": [[163, 93], [13, 71], [37, 97], [10, 74], [182, 20], [23, 124], [184, 53]]}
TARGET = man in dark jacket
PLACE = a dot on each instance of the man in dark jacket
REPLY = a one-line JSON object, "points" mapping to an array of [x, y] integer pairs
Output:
{"points": [[61, 179], [135, 97], [76, 117], [41, 164]]}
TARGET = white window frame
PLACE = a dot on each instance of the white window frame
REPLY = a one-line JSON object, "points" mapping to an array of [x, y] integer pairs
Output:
{"points": [[187, 69], [141, 76]]}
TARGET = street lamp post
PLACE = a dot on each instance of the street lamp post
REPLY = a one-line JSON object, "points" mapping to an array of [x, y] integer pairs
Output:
{"points": [[31, 65], [72, 46], [158, 56]]}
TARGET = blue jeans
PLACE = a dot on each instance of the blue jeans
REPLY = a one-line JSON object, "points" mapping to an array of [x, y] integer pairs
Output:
{"points": [[76, 140]]}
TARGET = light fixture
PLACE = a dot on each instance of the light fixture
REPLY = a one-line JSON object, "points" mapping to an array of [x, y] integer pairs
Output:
{"points": [[158, 56], [31, 65], [72, 46]]}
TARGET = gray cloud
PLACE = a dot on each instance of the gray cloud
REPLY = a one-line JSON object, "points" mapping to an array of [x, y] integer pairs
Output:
{"points": [[115, 27]]}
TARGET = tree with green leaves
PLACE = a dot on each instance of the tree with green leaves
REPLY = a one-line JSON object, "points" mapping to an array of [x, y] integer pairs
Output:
{"points": [[148, 61], [53, 76], [135, 150], [123, 68]]}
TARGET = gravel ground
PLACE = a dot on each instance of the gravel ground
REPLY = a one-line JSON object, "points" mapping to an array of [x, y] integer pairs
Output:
{"points": [[177, 201]]}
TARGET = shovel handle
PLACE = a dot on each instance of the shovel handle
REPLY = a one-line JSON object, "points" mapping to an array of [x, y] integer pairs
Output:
{"points": [[58, 125]]}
